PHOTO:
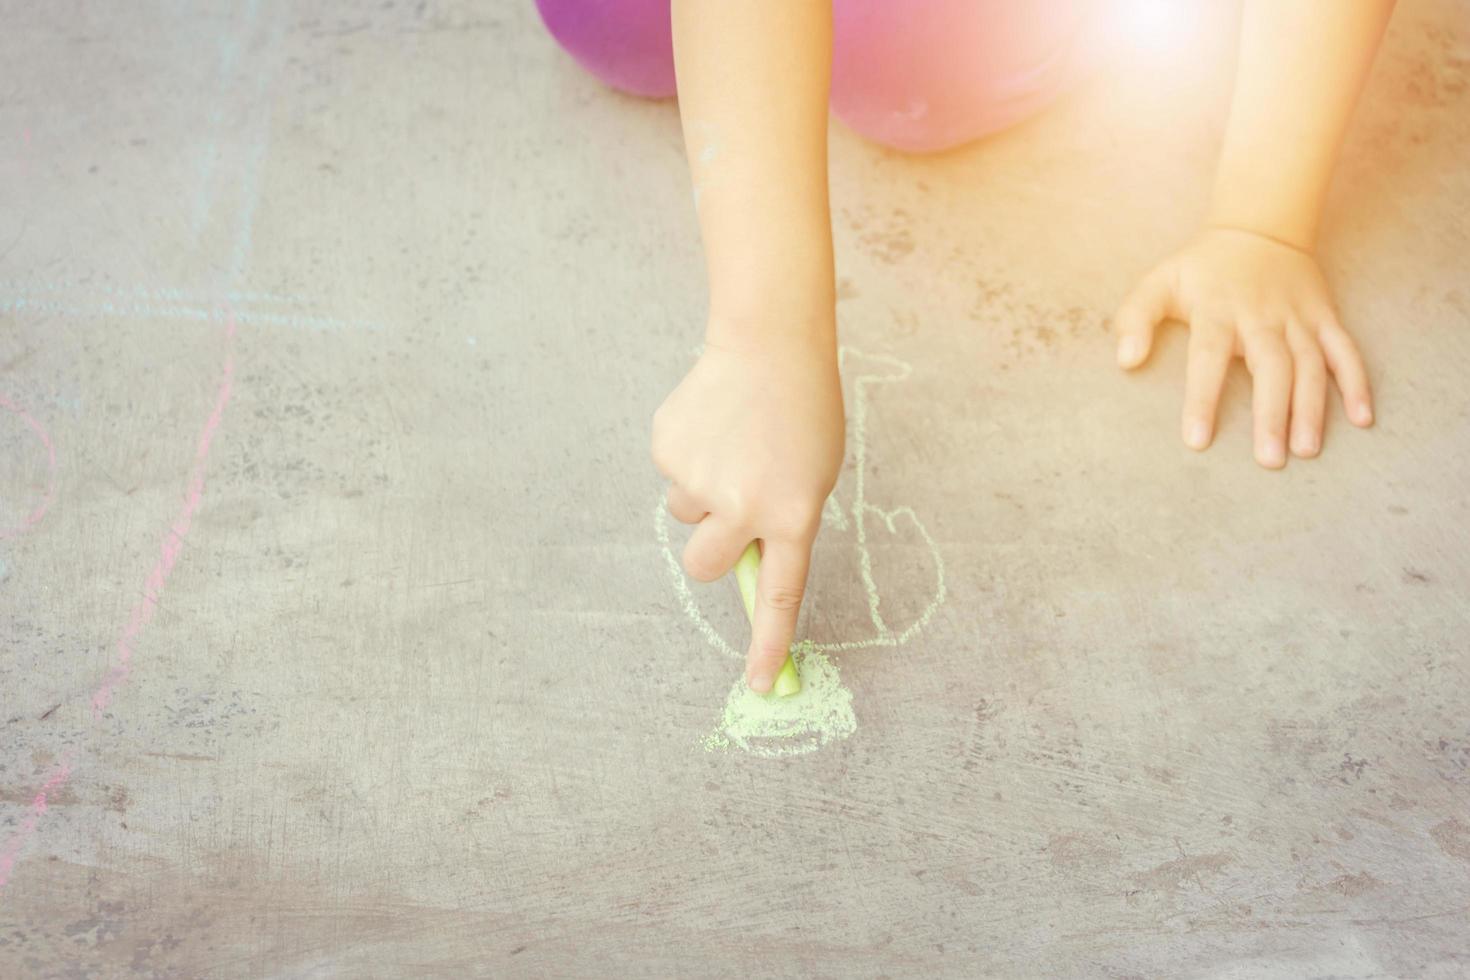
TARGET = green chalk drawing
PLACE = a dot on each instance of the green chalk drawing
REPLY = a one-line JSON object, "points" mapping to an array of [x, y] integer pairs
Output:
{"points": [[822, 713], [770, 726]]}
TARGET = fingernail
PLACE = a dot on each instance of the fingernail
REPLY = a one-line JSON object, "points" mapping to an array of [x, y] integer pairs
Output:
{"points": [[761, 683], [1305, 444], [1197, 435], [1362, 413], [1272, 452], [1129, 350]]}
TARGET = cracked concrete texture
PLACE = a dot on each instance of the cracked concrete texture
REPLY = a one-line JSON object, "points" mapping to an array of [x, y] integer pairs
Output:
{"points": [[407, 691]]}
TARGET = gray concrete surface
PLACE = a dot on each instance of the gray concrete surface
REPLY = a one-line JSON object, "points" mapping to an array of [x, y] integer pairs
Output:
{"points": [[401, 686]]}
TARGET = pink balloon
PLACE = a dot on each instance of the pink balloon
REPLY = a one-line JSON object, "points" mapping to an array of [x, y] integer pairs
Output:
{"points": [[927, 75], [916, 75]]}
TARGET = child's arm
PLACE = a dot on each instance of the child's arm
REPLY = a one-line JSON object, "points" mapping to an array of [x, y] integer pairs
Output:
{"points": [[753, 82], [1248, 285], [752, 438], [1302, 65]]}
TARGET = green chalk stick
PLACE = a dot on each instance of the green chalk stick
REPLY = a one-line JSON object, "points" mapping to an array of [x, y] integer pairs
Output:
{"points": [[747, 569], [788, 681]]}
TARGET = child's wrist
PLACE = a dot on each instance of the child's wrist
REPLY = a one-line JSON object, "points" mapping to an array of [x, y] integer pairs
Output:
{"points": [[1259, 234], [808, 323], [774, 304], [1294, 228]]}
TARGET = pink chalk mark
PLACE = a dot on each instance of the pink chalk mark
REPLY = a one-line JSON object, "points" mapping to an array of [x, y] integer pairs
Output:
{"points": [[34, 517], [142, 612], [11, 851], [173, 541]]}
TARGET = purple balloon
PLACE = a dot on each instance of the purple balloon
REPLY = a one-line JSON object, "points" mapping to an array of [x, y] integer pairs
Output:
{"points": [[629, 44]]}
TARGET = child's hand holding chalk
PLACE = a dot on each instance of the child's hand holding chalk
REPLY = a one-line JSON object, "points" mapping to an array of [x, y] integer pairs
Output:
{"points": [[752, 443], [753, 436]]}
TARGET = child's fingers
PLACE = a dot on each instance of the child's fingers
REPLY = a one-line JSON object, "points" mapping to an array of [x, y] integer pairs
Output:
{"points": [[712, 549], [1269, 362], [1308, 391], [684, 507], [1210, 348], [778, 594], [1139, 315], [1347, 367]]}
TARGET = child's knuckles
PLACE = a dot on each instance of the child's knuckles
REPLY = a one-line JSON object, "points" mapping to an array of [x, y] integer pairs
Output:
{"points": [[1308, 363], [1324, 315], [794, 521], [661, 421], [1212, 344], [1211, 320], [783, 598], [662, 452], [737, 506], [1266, 355]]}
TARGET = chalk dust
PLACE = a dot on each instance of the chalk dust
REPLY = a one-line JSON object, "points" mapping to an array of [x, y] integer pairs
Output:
{"points": [[804, 722]]}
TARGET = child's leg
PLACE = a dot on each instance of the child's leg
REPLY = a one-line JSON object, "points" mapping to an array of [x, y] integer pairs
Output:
{"points": [[626, 43], [924, 75]]}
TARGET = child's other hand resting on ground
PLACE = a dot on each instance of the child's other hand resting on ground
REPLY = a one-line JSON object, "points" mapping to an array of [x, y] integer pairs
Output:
{"points": [[1249, 286], [752, 442], [1248, 296]]}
